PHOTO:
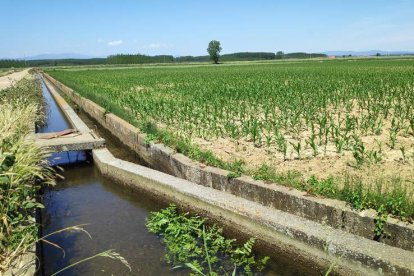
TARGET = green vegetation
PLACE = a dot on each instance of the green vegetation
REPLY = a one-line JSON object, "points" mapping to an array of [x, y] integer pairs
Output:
{"points": [[23, 169], [12, 63], [214, 50], [203, 249], [396, 199], [66, 62], [356, 114], [145, 59], [240, 56], [258, 100], [139, 59], [9, 63]]}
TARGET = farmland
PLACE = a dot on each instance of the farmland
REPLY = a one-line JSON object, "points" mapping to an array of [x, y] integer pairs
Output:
{"points": [[305, 120]]}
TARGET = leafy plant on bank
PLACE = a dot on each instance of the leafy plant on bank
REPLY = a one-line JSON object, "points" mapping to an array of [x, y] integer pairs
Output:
{"points": [[191, 243]]}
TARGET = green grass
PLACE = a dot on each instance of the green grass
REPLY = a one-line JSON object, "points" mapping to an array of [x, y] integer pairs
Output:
{"points": [[395, 199]]}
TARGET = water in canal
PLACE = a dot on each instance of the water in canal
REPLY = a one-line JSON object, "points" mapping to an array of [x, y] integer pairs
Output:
{"points": [[114, 217]]}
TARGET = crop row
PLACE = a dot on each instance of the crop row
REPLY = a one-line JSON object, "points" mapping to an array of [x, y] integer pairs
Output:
{"points": [[287, 108]]}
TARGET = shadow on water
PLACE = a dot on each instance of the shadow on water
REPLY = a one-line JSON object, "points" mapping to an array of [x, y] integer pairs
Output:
{"points": [[115, 216]]}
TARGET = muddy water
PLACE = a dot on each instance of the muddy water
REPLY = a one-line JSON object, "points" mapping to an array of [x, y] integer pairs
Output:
{"points": [[114, 217]]}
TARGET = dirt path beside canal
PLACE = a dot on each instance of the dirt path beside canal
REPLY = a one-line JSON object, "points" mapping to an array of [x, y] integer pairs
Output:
{"points": [[8, 80]]}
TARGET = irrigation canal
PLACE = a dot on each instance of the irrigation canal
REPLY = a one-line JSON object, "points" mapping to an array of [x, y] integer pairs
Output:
{"points": [[115, 216]]}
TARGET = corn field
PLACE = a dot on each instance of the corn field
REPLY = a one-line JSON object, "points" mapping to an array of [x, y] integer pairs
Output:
{"points": [[299, 110]]}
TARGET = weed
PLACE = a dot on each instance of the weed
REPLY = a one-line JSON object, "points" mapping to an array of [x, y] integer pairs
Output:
{"points": [[325, 187], [236, 168], [380, 221], [264, 173], [203, 249], [149, 138]]}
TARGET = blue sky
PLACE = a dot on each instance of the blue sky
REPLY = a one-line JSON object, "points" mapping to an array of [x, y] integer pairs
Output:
{"points": [[183, 27]]}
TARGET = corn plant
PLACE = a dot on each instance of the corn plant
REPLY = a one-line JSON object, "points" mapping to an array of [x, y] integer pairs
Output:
{"points": [[403, 152], [298, 148]]}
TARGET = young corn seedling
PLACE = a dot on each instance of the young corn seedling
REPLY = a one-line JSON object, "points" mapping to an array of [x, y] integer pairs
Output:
{"points": [[402, 149], [268, 142], [393, 139], [374, 156], [359, 153], [281, 145], [297, 147], [313, 145], [339, 144]]}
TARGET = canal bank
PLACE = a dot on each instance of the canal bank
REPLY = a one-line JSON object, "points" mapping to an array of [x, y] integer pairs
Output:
{"points": [[305, 241]]}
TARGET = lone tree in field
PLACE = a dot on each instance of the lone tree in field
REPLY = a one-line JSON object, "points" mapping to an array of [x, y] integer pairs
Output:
{"points": [[213, 50]]}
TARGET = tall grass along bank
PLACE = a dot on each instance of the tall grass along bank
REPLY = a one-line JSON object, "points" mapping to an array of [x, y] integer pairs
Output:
{"points": [[23, 169]]}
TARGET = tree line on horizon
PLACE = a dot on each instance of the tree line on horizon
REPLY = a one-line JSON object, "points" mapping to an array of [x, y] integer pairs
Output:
{"points": [[239, 56], [145, 59]]}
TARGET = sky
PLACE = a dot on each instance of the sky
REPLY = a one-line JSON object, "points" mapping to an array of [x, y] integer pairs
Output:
{"points": [[184, 27]]}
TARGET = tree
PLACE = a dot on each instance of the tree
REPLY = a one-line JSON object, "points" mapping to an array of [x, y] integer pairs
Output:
{"points": [[214, 50], [279, 55]]}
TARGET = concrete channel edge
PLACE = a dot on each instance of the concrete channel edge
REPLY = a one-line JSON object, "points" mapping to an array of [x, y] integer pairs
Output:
{"points": [[273, 198], [275, 227]]}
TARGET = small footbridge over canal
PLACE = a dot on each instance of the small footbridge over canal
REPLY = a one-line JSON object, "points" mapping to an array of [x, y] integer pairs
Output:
{"points": [[69, 140], [75, 139]]}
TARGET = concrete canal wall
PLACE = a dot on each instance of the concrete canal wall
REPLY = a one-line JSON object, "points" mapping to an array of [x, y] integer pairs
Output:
{"points": [[321, 229]]}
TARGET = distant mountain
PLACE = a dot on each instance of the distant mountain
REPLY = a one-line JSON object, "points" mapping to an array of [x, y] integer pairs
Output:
{"points": [[367, 53], [58, 56]]}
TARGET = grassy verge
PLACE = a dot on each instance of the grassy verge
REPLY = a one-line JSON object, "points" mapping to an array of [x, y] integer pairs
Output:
{"points": [[23, 169], [395, 199]]}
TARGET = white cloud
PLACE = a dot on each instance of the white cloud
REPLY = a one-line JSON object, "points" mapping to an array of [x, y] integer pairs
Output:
{"points": [[115, 42]]}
